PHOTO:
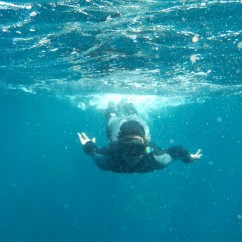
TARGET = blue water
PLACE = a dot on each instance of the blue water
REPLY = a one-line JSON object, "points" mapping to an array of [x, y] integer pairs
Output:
{"points": [[179, 62]]}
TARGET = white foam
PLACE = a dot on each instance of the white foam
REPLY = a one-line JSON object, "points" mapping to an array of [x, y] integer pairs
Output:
{"points": [[5, 5], [143, 103]]}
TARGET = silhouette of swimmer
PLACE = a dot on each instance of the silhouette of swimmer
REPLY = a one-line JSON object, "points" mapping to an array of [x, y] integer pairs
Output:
{"points": [[129, 149]]}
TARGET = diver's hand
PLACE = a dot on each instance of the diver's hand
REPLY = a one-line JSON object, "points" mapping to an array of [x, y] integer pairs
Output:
{"points": [[84, 139], [197, 155]]}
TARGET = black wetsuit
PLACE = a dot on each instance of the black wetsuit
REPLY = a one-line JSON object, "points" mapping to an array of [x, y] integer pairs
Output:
{"points": [[110, 158]]}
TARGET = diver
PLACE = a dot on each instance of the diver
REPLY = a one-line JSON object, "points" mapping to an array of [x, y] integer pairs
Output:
{"points": [[129, 149]]}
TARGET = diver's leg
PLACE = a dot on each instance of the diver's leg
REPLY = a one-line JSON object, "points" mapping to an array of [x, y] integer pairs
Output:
{"points": [[110, 111], [129, 109], [125, 108], [113, 128]]}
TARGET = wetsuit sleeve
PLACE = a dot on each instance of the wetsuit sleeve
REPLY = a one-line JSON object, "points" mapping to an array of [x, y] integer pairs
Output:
{"points": [[179, 153], [90, 148], [99, 155], [164, 157]]}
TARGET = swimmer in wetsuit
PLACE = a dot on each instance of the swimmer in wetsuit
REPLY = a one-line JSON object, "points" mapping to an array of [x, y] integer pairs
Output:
{"points": [[129, 149]]}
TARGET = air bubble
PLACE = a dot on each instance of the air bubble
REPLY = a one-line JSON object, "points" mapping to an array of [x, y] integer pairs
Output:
{"points": [[210, 163], [33, 14], [172, 141], [219, 119], [193, 58], [53, 50], [195, 39], [66, 206], [5, 29]]}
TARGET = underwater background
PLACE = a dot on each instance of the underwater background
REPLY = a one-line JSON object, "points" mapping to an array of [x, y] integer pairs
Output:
{"points": [[61, 62]]}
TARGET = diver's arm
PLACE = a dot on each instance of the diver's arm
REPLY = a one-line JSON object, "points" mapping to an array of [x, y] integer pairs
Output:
{"points": [[165, 157], [84, 139], [179, 153], [99, 155], [197, 155]]}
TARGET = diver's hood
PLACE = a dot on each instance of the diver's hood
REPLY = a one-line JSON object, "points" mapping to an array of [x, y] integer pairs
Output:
{"points": [[131, 128], [118, 127]]}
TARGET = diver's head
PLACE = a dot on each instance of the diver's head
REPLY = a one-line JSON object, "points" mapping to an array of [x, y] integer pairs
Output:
{"points": [[131, 129], [132, 141]]}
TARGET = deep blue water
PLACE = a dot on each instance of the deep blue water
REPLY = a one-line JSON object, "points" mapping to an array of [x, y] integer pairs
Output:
{"points": [[60, 63]]}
